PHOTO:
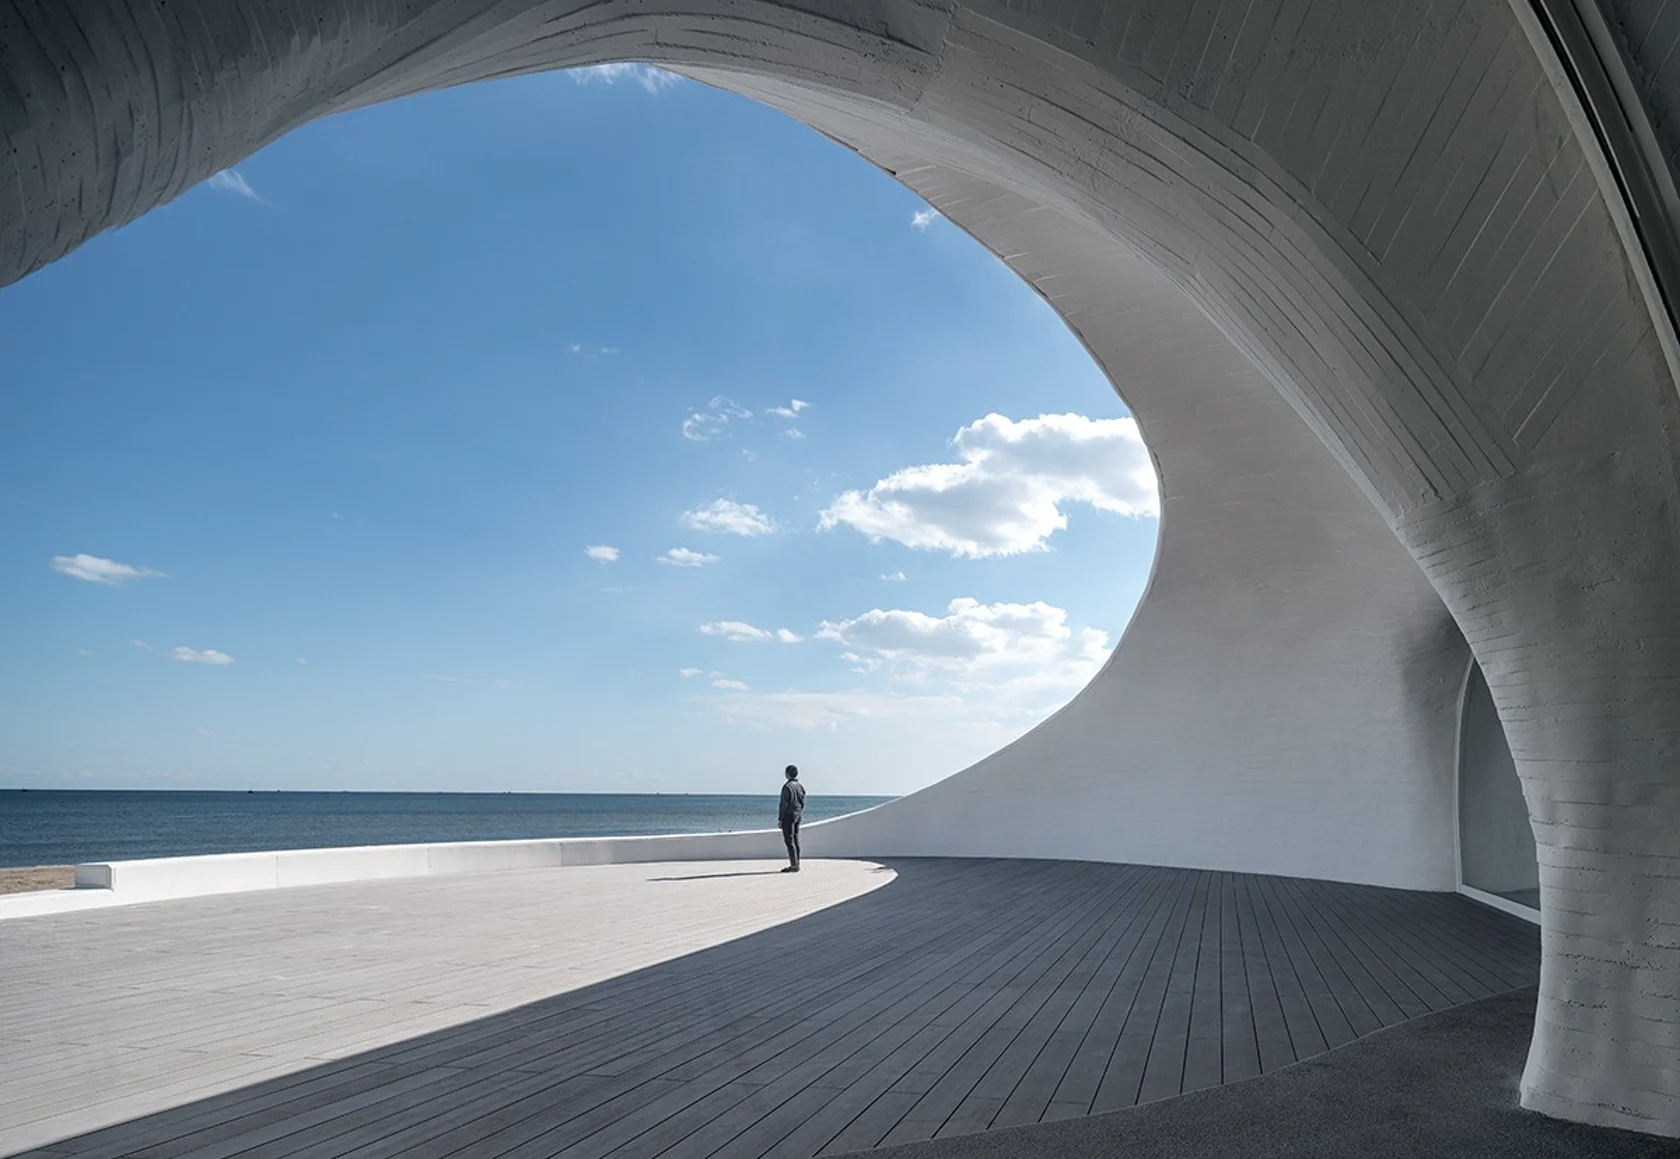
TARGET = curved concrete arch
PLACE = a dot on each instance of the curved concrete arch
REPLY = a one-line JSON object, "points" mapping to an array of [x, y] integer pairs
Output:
{"points": [[1284, 699], [1376, 228]]}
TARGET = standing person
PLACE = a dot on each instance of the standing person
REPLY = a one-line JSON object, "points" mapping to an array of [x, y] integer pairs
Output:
{"points": [[788, 814]]}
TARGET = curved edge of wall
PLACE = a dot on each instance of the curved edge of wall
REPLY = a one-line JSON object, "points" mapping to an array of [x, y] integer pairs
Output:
{"points": [[103, 884], [1284, 698]]}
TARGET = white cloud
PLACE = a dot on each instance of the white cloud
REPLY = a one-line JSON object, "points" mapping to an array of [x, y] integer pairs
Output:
{"points": [[922, 218], [860, 663], [790, 412], [729, 685], [894, 577], [1007, 649], [831, 711], [84, 651], [301, 660], [232, 181], [728, 516], [194, 656], [735, 630], [95, 570], [704, 425], [740, 633], [690, 673], [683, 557], [140, 644], [1007, 493], [651, 78], [602, 553]]}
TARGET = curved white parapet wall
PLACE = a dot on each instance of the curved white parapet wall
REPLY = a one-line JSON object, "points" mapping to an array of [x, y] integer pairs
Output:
{"points": [[1379, 238], [109, 883]]}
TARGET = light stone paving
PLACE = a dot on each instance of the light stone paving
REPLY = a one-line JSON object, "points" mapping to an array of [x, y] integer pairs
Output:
{"points": [[111, 1015]]}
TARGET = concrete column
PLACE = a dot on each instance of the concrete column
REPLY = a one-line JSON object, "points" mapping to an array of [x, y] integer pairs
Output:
{"points": [[1566, 581]]}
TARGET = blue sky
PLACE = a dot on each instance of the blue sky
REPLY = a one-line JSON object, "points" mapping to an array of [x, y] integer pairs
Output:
{"points": [[299, 474]]}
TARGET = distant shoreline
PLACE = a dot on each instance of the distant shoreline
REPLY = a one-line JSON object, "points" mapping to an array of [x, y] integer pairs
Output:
{"points": [[69, 827], [33, 878], [422, 792]]}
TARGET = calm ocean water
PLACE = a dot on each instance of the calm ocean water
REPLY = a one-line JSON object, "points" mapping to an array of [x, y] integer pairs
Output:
{"points": [[56, 827]]}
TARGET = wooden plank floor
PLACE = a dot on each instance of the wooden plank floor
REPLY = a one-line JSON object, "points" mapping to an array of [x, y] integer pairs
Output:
{"points": [[958, 996]]}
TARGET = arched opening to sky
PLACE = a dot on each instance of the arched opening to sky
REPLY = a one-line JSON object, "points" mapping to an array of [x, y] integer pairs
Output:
{"points": [[585, 431]]}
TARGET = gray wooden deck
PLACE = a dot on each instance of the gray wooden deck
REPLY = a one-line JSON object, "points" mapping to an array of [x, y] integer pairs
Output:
{"points": [[961, 995]]}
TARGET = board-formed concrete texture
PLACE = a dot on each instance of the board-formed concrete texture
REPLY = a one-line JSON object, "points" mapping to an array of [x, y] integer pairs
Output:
{"points": [[1390, 288]]}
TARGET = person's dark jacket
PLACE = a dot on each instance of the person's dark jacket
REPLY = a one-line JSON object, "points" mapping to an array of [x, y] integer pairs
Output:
{"points": [[792, 807]]}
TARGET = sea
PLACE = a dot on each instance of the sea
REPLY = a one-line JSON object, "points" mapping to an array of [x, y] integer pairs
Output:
{"points": [[62, 827]]}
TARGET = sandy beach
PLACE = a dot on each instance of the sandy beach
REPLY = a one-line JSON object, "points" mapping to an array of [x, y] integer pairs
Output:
{"points": [[36, 877]]}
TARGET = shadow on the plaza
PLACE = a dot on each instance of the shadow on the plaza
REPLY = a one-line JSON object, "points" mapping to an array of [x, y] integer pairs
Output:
{"points": [[959, 996]]}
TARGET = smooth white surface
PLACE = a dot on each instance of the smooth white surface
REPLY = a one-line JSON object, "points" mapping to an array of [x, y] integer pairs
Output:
{"points": [[160, 879], [1288, 709]]}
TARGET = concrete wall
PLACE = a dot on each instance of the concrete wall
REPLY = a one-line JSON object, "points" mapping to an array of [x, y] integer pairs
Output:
{"points": [[1287, 706], [1395, 215], [165, 878], [1496, 839]]}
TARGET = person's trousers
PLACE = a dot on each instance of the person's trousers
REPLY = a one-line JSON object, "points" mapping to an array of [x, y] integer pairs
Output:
{"points": [[790, 834]]}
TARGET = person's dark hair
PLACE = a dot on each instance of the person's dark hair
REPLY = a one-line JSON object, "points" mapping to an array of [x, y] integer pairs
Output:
{"points": [[792, 771]]}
